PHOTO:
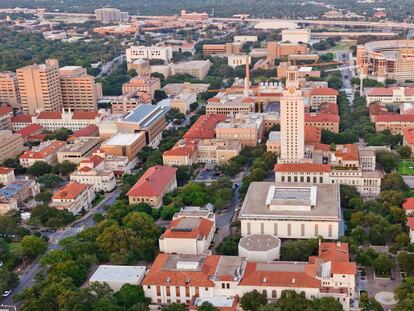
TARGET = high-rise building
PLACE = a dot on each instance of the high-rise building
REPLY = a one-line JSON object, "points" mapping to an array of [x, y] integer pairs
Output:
{"points": [[292, 119], [11, 145], [40, 87], [110, 15], [79, 90], [9, 90]]}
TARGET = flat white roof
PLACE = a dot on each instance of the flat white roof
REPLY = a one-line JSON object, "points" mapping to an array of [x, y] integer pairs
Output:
{"points": [[122, 139], [127, 274]]}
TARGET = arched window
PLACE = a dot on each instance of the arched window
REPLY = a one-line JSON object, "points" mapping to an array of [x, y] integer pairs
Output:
{"points": [[264, 292], [274, 294]]}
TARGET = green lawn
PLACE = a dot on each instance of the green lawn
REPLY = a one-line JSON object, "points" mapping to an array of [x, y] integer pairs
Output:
{"points": [[343, 45], [406, 167]]}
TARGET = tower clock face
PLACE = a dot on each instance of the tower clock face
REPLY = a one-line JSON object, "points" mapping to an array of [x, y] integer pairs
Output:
{"points": [[291, 90]]}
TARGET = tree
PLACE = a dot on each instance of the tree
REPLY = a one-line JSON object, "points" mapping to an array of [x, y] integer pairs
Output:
{"points": [[60, 134], [206, 306], [39, 168], [66, 167], [8, 279], [393, 181], [252, 300], [51, 217], [130, 295], [406, 261], [14, 163], [404, 151], [299, 250], [404, 295], [159, 95], [388, 160], [184, 173], [292, 301], [33, 246], [49, 180], [326, 304], [176, 307], [229, 245], [43, 197], [383, 264], [369, 304]]}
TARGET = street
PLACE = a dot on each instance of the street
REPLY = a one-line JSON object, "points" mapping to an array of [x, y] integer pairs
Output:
{"points": [[26, 278], [109, 66]]}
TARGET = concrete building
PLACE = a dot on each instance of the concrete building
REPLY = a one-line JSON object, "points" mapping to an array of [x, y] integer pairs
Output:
{"points": [[145, 84], [188, 235], [184, 152], [230, 104], [245, 38], [20, 190], [11, 145], [246, 128], [117, 276], [164, 53], [235, 60], [216, 151], [223, 49], [220, 280], [391, 95], [78, 150], [196, 68], [6, 175], [273, 142], [73, 197], [6, 115], [385, 120], [174, 89], [110, 15], [183, 101], [9, 90], [40, 87], [125, 144], [292, 120], [296, 35], [291, 211], [156, 182], [260, 247], [79, 90], [45, 152], [7, 205]]}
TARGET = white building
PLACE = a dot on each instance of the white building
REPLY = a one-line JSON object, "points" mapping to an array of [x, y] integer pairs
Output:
{"points": [[73, 197], [164, 53], [6, 175], [117, 276], [235, 60], [188, 234], [196, 68], [46, 152], [292, 119], [260, 247], [100, 180], [296, 35], [245, 38], [291, 211], [183, 101]]}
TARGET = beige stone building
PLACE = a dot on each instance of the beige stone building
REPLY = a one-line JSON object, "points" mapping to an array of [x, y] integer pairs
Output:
{"points": [[11, 145], [217, 151], [80, 149], [196, 68], [145, 84], [230, 104], [73, 197], [183, 101], [45, 152], [6, 175], [273, 143], [40, 87], [79, 90], [9, 90]]}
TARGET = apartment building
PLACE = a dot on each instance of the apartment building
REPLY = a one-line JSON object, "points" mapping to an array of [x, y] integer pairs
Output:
{"points": [[73, 197], [156, 182], [220, 280], [45, 152], [125, 144], [230, 104], [6, 175], [40, 87], [145, 84], [196, 68], [110, 15], [80, 149], [79, 90], [9, 90], [11, 145], [164, 53]]}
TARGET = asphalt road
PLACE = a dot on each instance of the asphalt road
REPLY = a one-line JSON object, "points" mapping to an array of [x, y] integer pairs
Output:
{"points": [[26, 277], [109, 66]]}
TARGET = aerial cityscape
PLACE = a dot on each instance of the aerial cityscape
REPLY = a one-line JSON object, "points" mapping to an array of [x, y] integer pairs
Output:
{"points": [[193, 155]]}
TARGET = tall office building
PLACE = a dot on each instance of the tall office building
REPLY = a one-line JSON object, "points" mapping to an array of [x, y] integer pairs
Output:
{"points": [[79, 90], [9, 90], [40, 87], [292, 119], [110, 15]]}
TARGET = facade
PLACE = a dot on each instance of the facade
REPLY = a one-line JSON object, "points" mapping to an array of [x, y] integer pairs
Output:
{"points": [[183, 101], [100, 180], [73, 120], [216, 151], [110, 15], [390, 95], [220, 280], [73, 197], [291, 211], [408, 138], [40, 87], [117, 276], [78, 150], [6, 175], [279, 50], [388, 59], [79, 90], [9, 90], [156, 182], [292, 121], [124, 144], [6, 115], [7, 205], [385, 120], [46, 152], [223, 49], [196, 68], [296, 35], [230, 104], [235, 60], [319, 96], [145, 84], [11, 145], [188, 235], [273, 142], [164, 53]]}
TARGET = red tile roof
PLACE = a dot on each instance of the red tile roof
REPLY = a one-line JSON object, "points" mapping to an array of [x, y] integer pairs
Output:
{"points": [[321, 117], [380, 91], [409, 91], [5, 170], [87, 131], [56, 115], [324, 91], [53, 147], [85, 115], [95, 160], [203, 228], [377, 109], [288, 279], [5, 110], [204, 127], [312, 134], [186, 149], [408, 205], [22, 118], [248, 100], [70, 191], [159, 275], [330, 108], [30, 129], [338, 254], [302, 167], [153, 182], [322, 147], [394, 118], [348, 152]]}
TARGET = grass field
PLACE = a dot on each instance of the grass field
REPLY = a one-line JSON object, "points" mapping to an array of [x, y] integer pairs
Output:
{"points": [[343, 45], [406, 167]]}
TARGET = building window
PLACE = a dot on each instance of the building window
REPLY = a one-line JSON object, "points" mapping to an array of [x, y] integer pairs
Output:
{"points": [[177, 291], [330, 230], [264, 293], [274, 294], [289, 229], [262, 228], [158, 291], [187, 292]]}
